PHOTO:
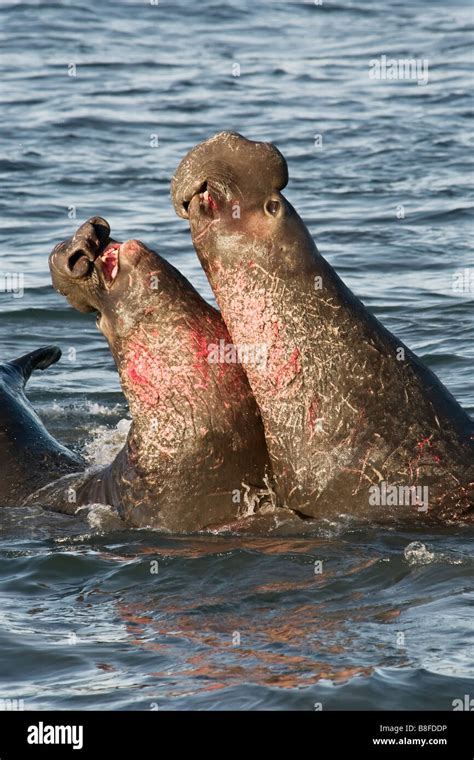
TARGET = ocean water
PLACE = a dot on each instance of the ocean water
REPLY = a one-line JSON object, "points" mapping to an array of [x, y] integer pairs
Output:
{"points": [[99, 101]]}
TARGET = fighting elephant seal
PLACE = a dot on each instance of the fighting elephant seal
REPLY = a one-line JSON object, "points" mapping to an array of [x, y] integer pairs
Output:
{"points": [[354, 421], [30, 456], [195, 455]]}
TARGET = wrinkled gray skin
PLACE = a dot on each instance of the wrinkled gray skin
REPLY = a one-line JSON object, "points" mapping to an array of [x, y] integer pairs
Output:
{"points": [[196, 443], [30, 456], [345, 404]]}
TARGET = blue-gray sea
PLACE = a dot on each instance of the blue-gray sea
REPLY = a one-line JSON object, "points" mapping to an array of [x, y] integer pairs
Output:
{"points": [[99, 102]]}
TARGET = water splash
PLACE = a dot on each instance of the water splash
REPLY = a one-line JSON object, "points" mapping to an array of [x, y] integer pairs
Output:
{"points": [[106, 442], [417, 554]]}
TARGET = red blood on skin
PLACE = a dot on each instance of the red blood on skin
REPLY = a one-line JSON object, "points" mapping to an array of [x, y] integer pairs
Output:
{"points": [[427, 442], [254, 321], [200, 348], [289, 370], [141, 369], [416, 462], [421, 444]]}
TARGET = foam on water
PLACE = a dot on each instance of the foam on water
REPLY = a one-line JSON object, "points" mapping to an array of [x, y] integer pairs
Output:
{"points": [[105, 442]]}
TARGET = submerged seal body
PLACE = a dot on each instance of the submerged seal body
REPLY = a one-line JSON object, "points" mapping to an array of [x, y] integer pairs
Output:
{"points": [[350, 413], [30, 456], [196, 454]]}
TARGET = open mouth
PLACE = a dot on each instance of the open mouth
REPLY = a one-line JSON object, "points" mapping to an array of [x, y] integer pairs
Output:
{"points": [[109, 260], [207, 211], [206, 200]]}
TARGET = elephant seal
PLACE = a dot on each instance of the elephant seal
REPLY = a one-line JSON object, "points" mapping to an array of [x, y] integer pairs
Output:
{"points": [[354, 421], [31, 457], [195, 456]]}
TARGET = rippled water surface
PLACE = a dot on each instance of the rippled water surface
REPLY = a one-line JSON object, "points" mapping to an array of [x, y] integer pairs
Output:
{"points": [[99, 101]]}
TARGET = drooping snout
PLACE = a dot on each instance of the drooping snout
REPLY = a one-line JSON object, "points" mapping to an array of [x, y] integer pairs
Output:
{"points": [[72, 261], [74, 257], [225, 164]]}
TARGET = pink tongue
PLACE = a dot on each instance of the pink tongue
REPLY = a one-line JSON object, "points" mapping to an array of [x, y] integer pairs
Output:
{"points": [[110, 261]]}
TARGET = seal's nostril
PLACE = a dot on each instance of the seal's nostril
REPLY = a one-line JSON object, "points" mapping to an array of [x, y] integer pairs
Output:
{"points": [[79, 263], [102, 229], [74, 258]]}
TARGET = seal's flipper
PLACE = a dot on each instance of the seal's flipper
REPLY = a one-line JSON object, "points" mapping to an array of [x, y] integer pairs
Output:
{"points": [[42, 358], [29, 456]]}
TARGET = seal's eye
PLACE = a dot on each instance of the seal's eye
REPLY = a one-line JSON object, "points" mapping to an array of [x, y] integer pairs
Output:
{"points": [[272, 207]]}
